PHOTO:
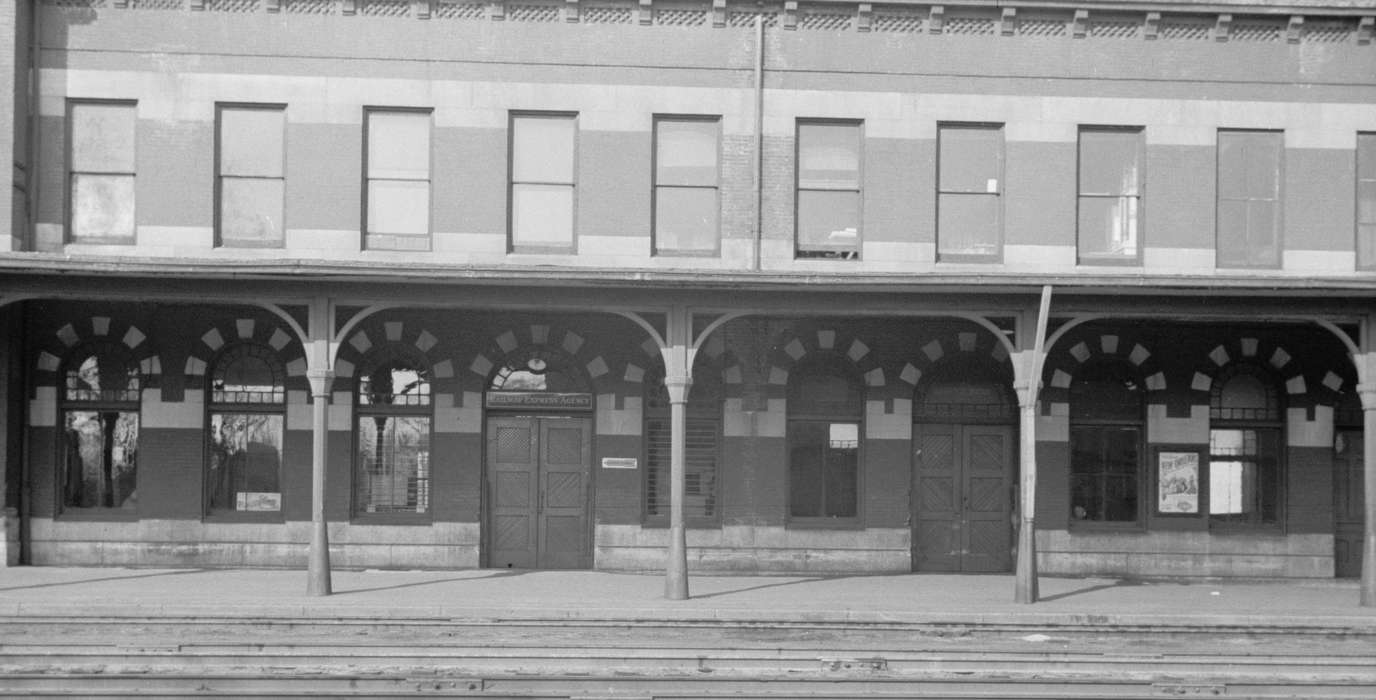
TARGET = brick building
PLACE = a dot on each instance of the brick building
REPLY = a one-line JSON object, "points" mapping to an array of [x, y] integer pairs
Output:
{"points": [[500, 284]]}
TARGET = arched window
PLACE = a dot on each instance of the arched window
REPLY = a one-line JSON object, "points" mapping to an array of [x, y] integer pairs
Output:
{"points": [[393, 423], [1106, 429], [963, 391], [702, 449], [100, 421], [1245, 422], [538, 369], [826, 405], [247, 416]]}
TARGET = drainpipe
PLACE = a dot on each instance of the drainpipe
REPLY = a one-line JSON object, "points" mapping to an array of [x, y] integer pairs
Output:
{"points": [[759, 138], [34, 116]]}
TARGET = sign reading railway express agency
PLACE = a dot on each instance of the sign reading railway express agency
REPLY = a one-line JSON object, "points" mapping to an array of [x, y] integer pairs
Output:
{"points": [[539, 401]]}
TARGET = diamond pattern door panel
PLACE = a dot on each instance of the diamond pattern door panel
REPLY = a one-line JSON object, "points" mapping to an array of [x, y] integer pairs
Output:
{"points": [[961, 480], [512, 497], [565, 474], [987, 479], [936, 541], [539, 478]]}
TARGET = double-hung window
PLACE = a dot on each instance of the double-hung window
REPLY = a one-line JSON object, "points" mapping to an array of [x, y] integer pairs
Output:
{"points": [[1249, 198], [101, 137], [1110, 199], [398, 179], [828, 195], [686, 206], [969, 206], [1366, 201], [251, 182], [543, 182]]}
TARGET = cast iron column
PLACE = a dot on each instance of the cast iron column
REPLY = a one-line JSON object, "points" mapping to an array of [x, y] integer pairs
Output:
{"points": [[676, 570], [1027, 373], [1367, 391], [319, 566]]}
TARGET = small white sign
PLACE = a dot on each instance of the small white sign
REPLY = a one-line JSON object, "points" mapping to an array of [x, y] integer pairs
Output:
{"points": [[620, 463], [248, 500]]}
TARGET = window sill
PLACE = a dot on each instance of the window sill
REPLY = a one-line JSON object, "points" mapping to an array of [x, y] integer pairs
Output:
{"points": [[1107, 261], [405, 519], [1242, 530], [263, 517], [825, 524], [98, 514], [691, 524], [1098, 528]]}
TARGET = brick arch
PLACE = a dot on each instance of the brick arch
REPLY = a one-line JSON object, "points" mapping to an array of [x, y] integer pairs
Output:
{"points": [[938, 350], [826, 341], [225, 333], [1275, 358], [1062, 364], [585, 359], [54, 350], [375, 334]]}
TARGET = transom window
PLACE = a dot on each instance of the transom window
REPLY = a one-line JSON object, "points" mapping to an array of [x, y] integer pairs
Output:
{"points": [[246, 417], [393, 425], [1106, 447], [539, 368], [825, 411], [100, 420], [962, 391]]}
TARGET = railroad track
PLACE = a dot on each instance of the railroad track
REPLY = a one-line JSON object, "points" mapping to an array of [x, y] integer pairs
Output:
{"points": [[161, 657]]}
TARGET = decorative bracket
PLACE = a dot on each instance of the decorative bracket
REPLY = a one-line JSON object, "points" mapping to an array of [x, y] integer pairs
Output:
{"points": [[718, 13], [1079, 26], [197, 5], [647, 12], [937, 19], [273, 5], [1224, 28], [348, 7], [1151, 28], [497, 11], [1295, 30], [570, 10], [422, 9], [1008, 23], [790, 14], [864, 17], [1365, 28]]}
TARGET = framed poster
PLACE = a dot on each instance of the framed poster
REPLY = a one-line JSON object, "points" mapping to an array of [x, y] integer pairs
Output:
{"points": [[1177, 482]]}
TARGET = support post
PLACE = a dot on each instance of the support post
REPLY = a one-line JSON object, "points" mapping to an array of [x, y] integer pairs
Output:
{"points": [[1366, 389], [1028, 364], [321, 375], [678, 364]]}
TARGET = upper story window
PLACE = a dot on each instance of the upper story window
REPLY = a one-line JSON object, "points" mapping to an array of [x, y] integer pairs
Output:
{"points": [[251, 175], [101, 138], [826, 406], [543, 181], [397, 207], [246, 418], [1366, 201], [969, 203], [1107, 410], [100, 421], [687, 203], [828, 195], [1110, 194], [393, 424], [1245, 448], [1249, 198]]}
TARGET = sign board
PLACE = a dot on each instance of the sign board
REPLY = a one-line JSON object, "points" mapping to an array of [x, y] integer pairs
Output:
{"points": [[1177, 483], [539, 401], [258, 501], [620, 463]]}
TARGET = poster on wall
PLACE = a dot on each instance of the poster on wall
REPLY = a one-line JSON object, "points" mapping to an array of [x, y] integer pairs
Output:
{"points": [[1177, 482]]}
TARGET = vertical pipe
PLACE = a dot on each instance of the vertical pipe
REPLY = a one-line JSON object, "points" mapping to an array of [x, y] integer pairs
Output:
{"points": [[1368, 585], [35, 118], [759, 140]]}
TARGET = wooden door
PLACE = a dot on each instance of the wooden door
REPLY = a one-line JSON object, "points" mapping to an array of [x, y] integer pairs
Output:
{"points": [[961, 480], [1348, 504], [539, 470]]}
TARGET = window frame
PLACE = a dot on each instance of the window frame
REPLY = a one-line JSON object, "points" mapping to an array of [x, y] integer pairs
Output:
{"points": [[220, 176], [69, 194], [1275, 424], [794, 417], [374, 241], [1139, 133], [1000, 199], [213, 407], [513, 246], [656, 186], [701, 411], [62, 447], [1221, 260], [799, 253], [1098, 423], [1365, 245], [391, 354]]}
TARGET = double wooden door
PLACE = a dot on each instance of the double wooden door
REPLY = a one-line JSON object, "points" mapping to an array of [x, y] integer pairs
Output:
{"points": [[539, 472], [962, 497]]}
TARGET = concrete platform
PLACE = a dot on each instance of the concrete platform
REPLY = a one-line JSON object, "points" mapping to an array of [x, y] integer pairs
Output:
{"points": [[592, 596]]}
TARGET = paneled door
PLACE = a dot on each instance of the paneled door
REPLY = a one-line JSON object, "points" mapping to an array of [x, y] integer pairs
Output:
{"points": [[962, 477], [1348, 500], [539, 471]]}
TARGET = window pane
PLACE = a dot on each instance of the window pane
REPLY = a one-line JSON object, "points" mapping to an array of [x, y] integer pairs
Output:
{"points": [[248, 373], [1366, 202], [399, 145], [1263, 166], [686, 218], [1366, 245], [251, 210], [1262, 232], [686, 153], [251, 142], [805, 467], [968, 224], [399, 207], [542, 149], [1105, 466], [393, 464], [102, 375], [100, 467], [842, 492], [1232, 233], [1110, 162], [969, 159], [102, 206], [829, 156], [1108, 226], [245, 462], [700, 468], [394, 385], [1244, 475], [542, 215], [1232, 165], [103, 138], [828, 220]]}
